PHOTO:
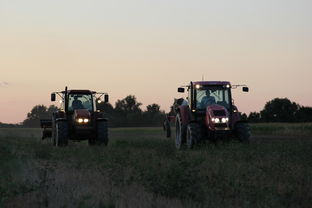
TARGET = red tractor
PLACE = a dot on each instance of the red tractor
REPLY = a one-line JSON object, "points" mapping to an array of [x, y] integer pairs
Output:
{"points": [[77, 118], [207, 113]]}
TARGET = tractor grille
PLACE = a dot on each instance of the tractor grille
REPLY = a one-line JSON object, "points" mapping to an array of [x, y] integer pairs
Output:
{"points": [[221, 125], [219, 113]]}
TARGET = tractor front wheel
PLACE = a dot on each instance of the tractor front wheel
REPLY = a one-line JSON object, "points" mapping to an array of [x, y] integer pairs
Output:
{"points": [[61, 133], [192, 135], [242, 132], [180, 132], [102, 133]]}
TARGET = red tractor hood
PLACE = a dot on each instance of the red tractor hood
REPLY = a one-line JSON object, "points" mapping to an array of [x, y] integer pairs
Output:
{"points": [[82, 113], [216, 111]]}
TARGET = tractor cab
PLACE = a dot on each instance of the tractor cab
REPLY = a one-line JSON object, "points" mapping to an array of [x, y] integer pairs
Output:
{"points": [[209, 93]]}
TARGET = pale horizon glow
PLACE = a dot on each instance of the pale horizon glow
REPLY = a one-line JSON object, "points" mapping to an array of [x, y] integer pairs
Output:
{"points": [[149, 48]]}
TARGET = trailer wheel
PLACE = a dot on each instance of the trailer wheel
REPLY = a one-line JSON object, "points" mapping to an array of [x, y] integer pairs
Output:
{"points": [[102, 132], [192, 135], [61, 133], [242, 132], [180, 132], [53, 136]]}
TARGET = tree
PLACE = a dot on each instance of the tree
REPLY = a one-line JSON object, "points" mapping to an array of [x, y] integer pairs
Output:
{"points": [[51, 109], [153, 109], [304, 114], [38, 112], [128, 105], [254, 117], [279, 110], [105, 107]]}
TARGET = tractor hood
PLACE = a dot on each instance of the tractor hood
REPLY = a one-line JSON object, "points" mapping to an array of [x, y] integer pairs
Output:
{"points": [[82, 116], [217, 117]]}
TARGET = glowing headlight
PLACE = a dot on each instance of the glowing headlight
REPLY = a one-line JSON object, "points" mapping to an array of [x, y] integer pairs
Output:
{"points": [[215, 120], [85, 120], [197, 86], [80, 120], [224, 120]]}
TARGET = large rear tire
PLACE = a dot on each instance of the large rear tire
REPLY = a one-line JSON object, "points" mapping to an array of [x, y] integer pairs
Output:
{"points": [[242, 132], [61, 133], [180, 132], [192, 135], [102, 132]]}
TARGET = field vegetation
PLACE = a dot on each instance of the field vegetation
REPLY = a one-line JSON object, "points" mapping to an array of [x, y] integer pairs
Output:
{"points": [[141, 168]]}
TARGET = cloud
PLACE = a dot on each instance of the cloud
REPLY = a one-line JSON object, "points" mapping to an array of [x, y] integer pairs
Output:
{"points": [[3, 83]]}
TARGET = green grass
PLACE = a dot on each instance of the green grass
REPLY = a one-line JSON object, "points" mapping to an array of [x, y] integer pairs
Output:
{"points": [[141, 168], [284, 129]]}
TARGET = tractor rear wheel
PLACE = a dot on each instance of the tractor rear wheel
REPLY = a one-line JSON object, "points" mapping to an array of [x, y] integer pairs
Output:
{"points": [[192, 135], [102, 132], [180, 132], [61, 133], [242, 132]]}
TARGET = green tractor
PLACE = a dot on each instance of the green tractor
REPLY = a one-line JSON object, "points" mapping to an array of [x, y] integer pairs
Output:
{"points": [[77, 118]]}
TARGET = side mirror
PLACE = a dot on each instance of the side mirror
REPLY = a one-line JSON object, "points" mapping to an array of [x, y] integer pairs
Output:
{"points": [[106, 98], [181, 89], [53, 97], [245, 89]]}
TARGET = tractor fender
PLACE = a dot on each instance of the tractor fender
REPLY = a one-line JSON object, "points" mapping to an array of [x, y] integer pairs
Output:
{"points": [[184, 111], [236, 118]]}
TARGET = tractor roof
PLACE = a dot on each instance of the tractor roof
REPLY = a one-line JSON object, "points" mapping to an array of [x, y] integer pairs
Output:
{"points": [[79, 92], [211, 83]]}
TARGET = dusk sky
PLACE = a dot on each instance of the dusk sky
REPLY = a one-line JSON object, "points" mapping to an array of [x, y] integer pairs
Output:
{"points": [[149, 48]]}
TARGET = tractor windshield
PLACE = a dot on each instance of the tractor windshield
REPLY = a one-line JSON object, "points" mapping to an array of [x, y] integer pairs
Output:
{"points": [[209, 95], [80, 101]]}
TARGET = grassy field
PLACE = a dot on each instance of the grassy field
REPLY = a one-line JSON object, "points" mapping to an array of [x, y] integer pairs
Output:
{"points": [[141, 168], [282, 129]]}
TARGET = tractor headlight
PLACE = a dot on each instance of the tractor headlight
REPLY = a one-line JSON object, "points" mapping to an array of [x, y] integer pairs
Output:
{"points": [[215, 120], [220, 120], [83, 120]]}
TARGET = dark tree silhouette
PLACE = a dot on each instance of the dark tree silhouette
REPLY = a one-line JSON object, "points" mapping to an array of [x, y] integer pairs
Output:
{"points": [[38, 112], [279, 110], [304, 114], [128, 105], [254, 117], [153, 109]]}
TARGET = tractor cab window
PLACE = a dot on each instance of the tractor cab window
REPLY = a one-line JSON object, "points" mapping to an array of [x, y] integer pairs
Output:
{"points": [[80, 101], [210, 95]]}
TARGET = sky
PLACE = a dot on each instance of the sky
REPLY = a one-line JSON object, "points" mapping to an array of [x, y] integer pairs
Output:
{"points": [[149, 48]]}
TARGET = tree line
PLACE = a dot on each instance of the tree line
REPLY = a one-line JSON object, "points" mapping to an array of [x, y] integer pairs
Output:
{"points": [[127, 112], [281, 110]]}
